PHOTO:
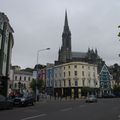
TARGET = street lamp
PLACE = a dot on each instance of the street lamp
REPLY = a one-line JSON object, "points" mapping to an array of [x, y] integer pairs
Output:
{"points": [[37, 69]]}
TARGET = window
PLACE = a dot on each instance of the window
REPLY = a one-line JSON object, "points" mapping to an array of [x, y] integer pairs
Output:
{"points": [[15, 85], [20, 77], [75, 73], [55, 83], [0, 40], [82, 66], [89, 82], [64, 74], [29, 78], [94, 74], [69, 67], [64, 68], [10, 86], [69, 83], [75, 66], [83, 82], [69, 73], [76, 82], [5, 57], [64, 83], [60, 74], [24, 78], [24, 85], [88, 67], [95, 82], [15, 77], [1, 25], [88, 74], [7, 36], [55, 74], [60, 82], [82, 73]]}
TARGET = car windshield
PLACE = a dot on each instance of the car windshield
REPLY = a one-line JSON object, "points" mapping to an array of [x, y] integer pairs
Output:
{"points": [[91, 96]]}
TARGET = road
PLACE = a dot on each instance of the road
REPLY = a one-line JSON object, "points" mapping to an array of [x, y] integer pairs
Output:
{"points": [[105, 109]]}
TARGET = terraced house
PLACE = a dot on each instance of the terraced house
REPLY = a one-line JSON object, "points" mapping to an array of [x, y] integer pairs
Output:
{"points": [[6, 45]]}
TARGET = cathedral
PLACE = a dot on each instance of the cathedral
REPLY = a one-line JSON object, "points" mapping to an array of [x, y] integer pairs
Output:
{"points": [[66, 55]]}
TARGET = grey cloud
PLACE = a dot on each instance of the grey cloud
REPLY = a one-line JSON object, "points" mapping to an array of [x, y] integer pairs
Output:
{"points": [[39, 24]]}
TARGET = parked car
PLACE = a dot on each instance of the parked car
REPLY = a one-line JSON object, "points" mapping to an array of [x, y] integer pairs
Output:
{"points": [[5, 103], [110, 95], [91, 98], [24, 100]]}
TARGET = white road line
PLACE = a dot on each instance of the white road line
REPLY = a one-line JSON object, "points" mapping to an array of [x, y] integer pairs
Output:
{"points": [[32, 117], [66, 109], [119, 116]]}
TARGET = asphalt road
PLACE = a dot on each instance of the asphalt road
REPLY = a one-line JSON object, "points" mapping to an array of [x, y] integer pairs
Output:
{"points": [[105, 109]]}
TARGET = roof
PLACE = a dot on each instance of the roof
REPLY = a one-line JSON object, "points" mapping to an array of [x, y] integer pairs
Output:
{"points": [[23, 72], [79, 54]]}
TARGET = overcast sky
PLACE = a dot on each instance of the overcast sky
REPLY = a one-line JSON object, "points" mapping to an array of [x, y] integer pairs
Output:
{"points": [[38, 24]]}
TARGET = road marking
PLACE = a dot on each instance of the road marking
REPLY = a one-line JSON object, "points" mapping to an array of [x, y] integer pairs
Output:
{"points": [[32, 117], [118, 116], [66, 109]]}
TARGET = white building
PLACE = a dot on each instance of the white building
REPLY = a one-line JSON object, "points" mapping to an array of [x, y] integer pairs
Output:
{"points": [[19, 79]]}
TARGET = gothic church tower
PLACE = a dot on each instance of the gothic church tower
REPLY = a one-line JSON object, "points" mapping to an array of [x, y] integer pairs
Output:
{"points": [[65, 51]]}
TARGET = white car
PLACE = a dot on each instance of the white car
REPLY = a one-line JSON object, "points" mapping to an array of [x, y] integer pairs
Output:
{"points": [[91, 98]]}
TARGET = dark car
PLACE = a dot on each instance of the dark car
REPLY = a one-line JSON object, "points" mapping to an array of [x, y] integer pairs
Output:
{"points": [[110, 95], [24, 100], [5, 103], [91, 98]]}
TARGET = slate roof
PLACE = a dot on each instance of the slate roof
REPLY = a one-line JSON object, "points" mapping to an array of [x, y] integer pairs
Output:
{"points": [[79, 54]]}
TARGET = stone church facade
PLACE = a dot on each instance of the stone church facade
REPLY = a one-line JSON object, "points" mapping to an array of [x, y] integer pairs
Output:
{"points": [[66, 55]]}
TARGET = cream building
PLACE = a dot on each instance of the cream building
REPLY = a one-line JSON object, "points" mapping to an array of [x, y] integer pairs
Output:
{"points": [[70, 77]]}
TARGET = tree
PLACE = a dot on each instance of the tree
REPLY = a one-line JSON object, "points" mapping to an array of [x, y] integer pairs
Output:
{"points": [[33, 85], [119, 32], [40, 85], [115, 71], [116, 89]]}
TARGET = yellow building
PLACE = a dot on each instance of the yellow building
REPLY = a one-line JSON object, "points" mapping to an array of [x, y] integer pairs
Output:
{"points": [[70, 78]]}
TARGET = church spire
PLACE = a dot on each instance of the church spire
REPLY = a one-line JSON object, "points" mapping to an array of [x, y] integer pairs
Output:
{"points": [[65, 52], [66, 19], [66, 26]]}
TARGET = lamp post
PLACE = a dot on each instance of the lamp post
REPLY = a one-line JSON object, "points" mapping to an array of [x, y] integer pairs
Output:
{"points": [[37, 70]]}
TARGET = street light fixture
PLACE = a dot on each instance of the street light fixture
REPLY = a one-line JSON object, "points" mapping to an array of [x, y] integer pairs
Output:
{"points": [[37, 70]]}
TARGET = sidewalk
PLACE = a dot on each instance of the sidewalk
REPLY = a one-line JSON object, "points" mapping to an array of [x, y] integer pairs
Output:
{"points": [[53, 99]]}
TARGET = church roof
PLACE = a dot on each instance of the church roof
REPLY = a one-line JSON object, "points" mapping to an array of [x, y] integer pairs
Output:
{"points": [[79, 54]]}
